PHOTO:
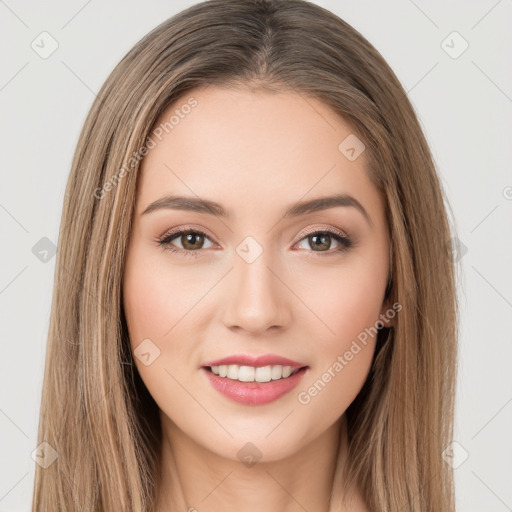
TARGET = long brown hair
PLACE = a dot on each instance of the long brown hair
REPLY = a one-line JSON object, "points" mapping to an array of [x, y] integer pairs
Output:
{"points": [[96, 413]]}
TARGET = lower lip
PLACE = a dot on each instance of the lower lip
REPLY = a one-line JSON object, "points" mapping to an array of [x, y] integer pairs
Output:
{"points": [[254, 393]]}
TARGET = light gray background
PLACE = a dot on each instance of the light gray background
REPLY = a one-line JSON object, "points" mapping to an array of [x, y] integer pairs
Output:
{"points": [[465, 107]]}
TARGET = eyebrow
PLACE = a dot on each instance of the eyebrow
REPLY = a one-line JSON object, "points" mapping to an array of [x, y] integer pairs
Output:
{"points": [[200, 205]]}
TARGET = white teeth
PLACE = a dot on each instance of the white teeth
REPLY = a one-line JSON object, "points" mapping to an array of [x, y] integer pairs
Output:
{"points": [[277, 372], [246, 373], [251, 373], [263, 374], [232, 371], [287, 370]]}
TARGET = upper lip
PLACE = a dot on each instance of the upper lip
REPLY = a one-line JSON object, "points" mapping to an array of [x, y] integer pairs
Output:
{"points": [[263, 360]]}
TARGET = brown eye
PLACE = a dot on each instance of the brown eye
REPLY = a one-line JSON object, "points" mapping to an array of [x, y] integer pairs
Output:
{"points": [[192, 241], [186, 241], [320, 241]]}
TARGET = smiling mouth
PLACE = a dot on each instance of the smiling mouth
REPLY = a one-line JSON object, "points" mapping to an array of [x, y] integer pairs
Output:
{"points": [[260, 374]]}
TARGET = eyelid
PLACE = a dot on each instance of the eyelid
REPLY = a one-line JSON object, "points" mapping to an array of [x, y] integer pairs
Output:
{"points": [[346, 238], [322, 229], [200, 229], [188, 227]]}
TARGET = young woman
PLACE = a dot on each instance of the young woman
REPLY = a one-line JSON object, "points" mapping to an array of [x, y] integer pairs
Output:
{"points": [[254, 304]]}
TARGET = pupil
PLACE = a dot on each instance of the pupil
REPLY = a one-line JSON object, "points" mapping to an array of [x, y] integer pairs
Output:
{"points": [[325, 241], [190, 239]]}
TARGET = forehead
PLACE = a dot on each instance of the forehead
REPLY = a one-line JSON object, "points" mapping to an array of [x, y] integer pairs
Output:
{"points": [[253, 149]]}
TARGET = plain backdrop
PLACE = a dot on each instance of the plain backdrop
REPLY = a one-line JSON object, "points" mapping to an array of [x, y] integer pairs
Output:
{"points": [[454, 60]]}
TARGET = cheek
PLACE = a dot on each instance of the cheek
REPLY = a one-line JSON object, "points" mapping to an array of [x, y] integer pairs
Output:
{"points": [[347, 306], [144, 307], [156, 304], [345, 302], [151, 311], [156, 299]]}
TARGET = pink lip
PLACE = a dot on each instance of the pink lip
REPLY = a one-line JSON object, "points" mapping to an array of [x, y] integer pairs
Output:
{"points": [[253, 393], [264, 360]]}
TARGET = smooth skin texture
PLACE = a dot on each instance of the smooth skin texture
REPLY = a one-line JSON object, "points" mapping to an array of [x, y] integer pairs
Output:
{"points": [[257, 154]]}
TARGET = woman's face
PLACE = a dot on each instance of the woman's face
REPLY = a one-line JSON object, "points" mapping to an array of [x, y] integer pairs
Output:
{"points": [[250, 279]]}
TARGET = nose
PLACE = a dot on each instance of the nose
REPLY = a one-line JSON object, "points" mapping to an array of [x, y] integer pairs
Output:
{"points": [[257, 297]]}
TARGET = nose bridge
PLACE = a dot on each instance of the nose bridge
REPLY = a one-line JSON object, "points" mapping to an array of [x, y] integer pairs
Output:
{"points": [[257, 301]]}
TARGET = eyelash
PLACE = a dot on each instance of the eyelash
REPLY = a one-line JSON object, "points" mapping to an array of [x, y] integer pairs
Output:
{"points": [[345, 242]]}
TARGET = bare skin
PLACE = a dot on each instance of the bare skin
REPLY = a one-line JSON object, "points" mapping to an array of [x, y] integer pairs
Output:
{"points": [[256, 154]]}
